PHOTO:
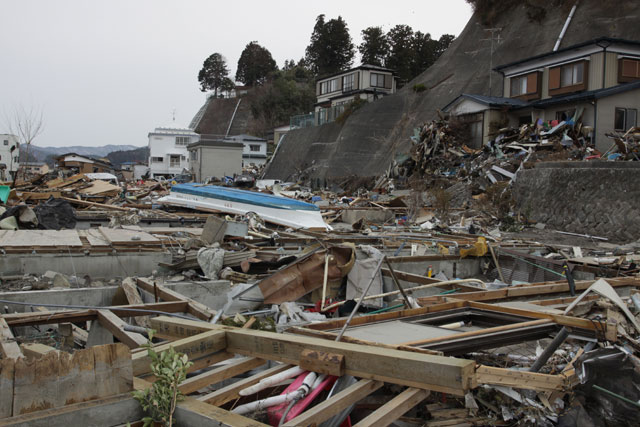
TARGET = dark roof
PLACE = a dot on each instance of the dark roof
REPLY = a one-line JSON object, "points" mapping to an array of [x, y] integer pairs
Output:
{"points": [[491, 101], [214, 143], [361, 67], [597, 41], [245, 137], [584, 96]]}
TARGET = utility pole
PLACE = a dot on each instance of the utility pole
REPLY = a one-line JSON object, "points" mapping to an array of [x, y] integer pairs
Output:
{"points": [[497, 39]]}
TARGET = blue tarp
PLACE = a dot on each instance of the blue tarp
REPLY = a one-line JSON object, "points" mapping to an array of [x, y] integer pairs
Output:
{"points": [[242, 196]]}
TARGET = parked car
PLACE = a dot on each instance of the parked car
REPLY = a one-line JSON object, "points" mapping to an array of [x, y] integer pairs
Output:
{"points": [[182, 178]]}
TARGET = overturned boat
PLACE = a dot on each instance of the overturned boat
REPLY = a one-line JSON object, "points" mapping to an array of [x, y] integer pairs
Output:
{"points": [[274, 209]]}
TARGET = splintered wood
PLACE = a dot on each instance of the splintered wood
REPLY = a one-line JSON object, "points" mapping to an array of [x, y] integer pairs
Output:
{"points": [[57, 379]]}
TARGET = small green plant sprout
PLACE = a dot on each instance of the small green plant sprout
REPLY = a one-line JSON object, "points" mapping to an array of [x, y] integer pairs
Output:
{"points": [[159, 402]]}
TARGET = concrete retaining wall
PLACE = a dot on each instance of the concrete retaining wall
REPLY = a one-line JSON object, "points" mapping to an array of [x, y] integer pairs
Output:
{"points": [[596, 198]]}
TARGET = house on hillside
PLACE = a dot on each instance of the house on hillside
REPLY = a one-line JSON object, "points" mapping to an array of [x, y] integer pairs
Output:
{"points": [[254, 150], [168, 154], [598, 79], [334, 92], [77, 163], [9, 156]]}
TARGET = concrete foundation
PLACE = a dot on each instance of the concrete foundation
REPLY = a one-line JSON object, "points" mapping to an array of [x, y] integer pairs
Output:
{"points": [[98, 266]]}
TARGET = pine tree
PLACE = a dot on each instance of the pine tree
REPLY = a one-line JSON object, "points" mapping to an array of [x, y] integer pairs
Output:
{"points": [[214, 71], [375, 46], [255, 65], [330, 49]]}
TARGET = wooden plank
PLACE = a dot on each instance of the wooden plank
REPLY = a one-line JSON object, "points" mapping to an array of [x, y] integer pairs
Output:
{"points": [[9, 348], [430, 372], [59, 378], [34, 350], [116, 325], [133, 297], [195, 308], [44, 238], [609, 330], [192, 412], [74, 316], [230, 392], [330, 407], [194, 347], [520, 379], [109, 411], [102, 205], [322, 363], [7, 368], [395, 408], [332, 337], [222, 373], [424, 280]]}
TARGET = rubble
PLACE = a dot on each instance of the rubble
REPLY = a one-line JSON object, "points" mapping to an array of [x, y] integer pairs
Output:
{"points": [[418, 303]]}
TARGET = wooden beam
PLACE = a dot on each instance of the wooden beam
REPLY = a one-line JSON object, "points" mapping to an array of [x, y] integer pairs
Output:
{"points": [[8, 345], [424, 280], [195, 308], [222, 373], [395, 408], [520, 379], [133, 297], [112, 410], [192, 412], [34, 350], [116, 325], [322, 363], [194, 347], [230, 392], [605, 330], [74, 316], [330, 407], [445, 374], [79, 334]]}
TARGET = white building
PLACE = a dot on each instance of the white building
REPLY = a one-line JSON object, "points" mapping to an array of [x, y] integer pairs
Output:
{"points": [[168, 155], [254, 150], [9, 156]]}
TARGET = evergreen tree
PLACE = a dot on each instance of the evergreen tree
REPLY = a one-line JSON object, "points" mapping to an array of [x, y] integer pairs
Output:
{"points": [[375, 46], [214, 71], [401, 51], [255, 65], [330, 49]]}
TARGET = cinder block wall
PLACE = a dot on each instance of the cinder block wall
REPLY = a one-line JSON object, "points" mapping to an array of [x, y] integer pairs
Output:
{"points": [[596, 198]]}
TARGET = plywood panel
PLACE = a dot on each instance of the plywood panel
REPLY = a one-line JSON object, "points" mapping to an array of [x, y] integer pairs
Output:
{"points": [[30, 238]]}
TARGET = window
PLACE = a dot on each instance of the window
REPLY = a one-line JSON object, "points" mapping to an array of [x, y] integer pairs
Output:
{"points": [[565, 115], [156, 160], [174, 161], [254, 147], [571, 74], [348, 82], [625, 119], [518, 85], [183, 157], [377, 80], [6, 142], [194, 155], [568, 78], [329, 86], [628, 70], [182, 140]]}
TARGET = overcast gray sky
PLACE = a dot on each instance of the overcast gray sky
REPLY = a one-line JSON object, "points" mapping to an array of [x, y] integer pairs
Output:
{"points": [[108, 72]]}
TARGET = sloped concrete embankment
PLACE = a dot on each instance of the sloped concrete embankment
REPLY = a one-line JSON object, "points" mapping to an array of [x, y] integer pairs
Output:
{"points": [[598, 198]]}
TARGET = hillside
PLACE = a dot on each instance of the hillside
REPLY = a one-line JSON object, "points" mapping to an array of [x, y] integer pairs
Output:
{"points": [[40, 154], [373, 135]]}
